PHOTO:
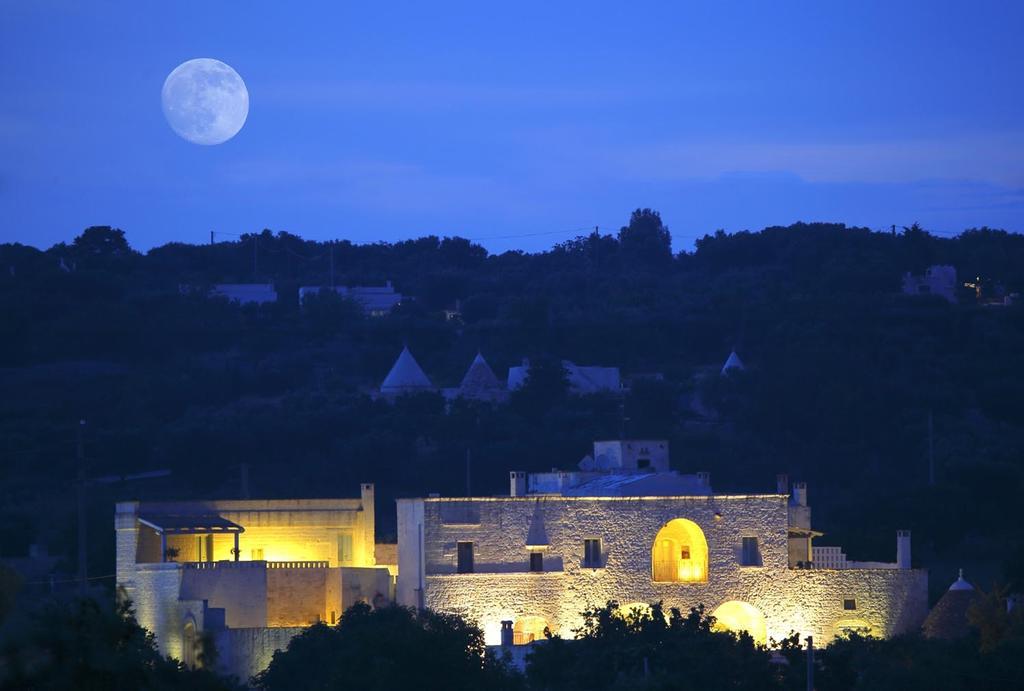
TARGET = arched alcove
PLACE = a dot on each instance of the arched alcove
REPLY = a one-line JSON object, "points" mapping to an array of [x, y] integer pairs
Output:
{"points": [[528, 629], [737, 616], [679, 553], [190, 644]]}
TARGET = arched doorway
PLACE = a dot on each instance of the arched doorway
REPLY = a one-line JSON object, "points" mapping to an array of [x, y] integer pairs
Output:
{"points": [[528, 629], [737, 616], [680, 553], [190, 645]]}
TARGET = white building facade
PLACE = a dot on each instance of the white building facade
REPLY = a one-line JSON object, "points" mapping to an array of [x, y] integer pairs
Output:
{"points": [[248, 574], [626, 528]]}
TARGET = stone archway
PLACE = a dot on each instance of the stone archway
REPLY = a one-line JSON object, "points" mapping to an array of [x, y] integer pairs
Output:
{"points": [[736, 616], [679, 553], [528, 629]]}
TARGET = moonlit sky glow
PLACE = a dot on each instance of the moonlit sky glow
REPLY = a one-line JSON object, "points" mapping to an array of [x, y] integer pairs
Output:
{"points": [[518, 124]]}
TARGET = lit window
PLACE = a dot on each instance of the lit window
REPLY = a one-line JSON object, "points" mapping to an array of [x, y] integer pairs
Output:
{"points": [[465, 557], [257, 554], [536, 561], [592, 553], [849, 603]]}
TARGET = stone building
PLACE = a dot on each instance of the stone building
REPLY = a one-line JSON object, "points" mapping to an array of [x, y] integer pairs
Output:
{"points": [[936, 280], [249, 574], [405, 377], [625, 527]]}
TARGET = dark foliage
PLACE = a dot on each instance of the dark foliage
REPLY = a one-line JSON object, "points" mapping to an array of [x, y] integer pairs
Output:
{"points": [[385, 649], [649, 649], [86, 645], [843, 373]]}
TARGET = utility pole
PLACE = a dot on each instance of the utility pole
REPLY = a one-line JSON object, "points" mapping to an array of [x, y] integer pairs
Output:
{"points": [[83, 576], [211, 237], [931, 450], [810, 663], [332, 262]]}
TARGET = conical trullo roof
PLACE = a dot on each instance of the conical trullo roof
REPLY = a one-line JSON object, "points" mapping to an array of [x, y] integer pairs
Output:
{"points": [[733, 363], [405, 376], [948, 618], [479, 381], [537, 535]]}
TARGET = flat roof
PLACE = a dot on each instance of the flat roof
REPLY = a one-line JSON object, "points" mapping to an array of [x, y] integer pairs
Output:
{"points": [[187, 525]]}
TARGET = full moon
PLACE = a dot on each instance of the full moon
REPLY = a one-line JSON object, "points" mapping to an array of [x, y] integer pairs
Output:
{"points": [[205, 101]]}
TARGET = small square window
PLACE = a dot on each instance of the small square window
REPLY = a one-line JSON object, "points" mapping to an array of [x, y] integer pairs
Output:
{"points": [[849, 603], [536, 561]]}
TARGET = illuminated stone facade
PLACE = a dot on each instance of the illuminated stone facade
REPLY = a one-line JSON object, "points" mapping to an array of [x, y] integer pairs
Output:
{"points": [[297, 562], [610, 532]]}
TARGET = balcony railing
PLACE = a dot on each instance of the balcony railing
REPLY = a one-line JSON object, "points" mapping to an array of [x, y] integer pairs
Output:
{"points": [[258, 564]]}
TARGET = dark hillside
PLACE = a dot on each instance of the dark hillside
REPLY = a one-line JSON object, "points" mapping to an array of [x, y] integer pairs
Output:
{"points": [[843, 374]]}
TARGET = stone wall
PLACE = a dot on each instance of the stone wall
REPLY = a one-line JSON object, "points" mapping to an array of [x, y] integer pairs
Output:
{"points": [[240, 588], [296, 596], [244, 653], [806, 601]]}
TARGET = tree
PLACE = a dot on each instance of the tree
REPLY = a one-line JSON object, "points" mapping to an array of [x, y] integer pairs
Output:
{"points": [[546, 384], [384, 649], [646, 240], [85, 644], [647, 648]]}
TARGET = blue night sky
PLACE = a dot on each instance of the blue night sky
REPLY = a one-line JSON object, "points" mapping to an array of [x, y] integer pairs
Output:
{"points": [[519, 124]]}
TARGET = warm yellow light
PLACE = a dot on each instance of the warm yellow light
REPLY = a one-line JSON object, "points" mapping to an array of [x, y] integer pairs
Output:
{"points": [[737, 616], [528, 629], [680, 553]]}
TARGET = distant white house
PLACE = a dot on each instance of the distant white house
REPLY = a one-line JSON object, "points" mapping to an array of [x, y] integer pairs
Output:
{"points": [[582, 380], [245, 293], [376, 301], [937, 280]]}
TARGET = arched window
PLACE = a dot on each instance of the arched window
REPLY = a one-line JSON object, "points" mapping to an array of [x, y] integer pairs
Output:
{"points": [[737, 616], [528, 630], [680, 553]]}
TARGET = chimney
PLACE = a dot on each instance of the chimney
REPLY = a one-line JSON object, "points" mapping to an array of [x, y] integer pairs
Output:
{"points": [[903, 549], [366, 495], [517, 483], [800, 493], [506, 633], [782, 483]]}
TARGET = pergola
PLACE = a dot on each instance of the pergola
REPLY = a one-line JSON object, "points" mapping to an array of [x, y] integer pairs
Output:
{"points": [[211, 524]]}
